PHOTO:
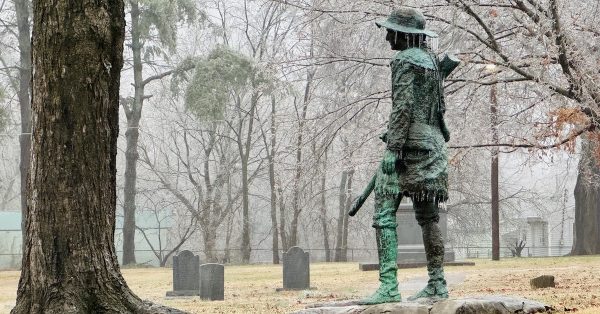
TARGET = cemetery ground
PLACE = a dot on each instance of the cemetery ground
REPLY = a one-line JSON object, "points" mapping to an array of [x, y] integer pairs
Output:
{"points": [[251, 288]]}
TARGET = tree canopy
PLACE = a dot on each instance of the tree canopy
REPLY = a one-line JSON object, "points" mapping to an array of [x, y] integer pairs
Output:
{"points": [[220, 79]]}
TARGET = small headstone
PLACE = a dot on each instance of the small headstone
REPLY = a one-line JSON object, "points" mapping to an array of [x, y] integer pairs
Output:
{"points": [[296, 269], [544, 281], [212, 281], [186, 274]]}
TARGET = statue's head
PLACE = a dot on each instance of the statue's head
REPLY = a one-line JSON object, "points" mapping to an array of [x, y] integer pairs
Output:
{"points": [[406, 28]]}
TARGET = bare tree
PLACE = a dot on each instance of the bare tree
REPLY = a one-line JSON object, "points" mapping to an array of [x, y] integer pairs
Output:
{"points": [[197, 171], [146, 18], [271, 149], [262, 37], [323, 206], [20, 83], [298, 167], [24, 30], [182, 229]]}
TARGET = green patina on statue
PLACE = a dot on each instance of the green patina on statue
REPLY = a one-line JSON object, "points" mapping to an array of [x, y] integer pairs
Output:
{"points": [[415, 162]]}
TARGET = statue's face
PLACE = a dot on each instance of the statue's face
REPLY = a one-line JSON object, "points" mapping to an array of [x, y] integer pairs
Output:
{"points": [[396, 42]]}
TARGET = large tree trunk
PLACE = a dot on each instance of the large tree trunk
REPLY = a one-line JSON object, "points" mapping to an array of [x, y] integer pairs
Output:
{"points": [[587, 203], [22, 13], [132, 134], [70, 265]]}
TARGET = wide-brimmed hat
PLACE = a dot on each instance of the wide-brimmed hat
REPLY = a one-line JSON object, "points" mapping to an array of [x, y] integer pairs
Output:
{"points": [[406, 20]]}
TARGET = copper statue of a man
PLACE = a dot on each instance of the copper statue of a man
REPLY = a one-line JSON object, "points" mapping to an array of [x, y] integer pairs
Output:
{"points": [[415, 161]]}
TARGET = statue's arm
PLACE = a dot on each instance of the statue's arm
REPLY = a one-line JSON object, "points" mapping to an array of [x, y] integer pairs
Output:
{"points": [[402, 101], [399, 122]]}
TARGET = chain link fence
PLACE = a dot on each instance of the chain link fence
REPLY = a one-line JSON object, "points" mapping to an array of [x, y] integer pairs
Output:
{"points": [[10, 260], [10, 253]]}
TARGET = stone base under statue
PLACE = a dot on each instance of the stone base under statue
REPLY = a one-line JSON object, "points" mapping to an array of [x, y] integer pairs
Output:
{"points": [[477, 304]]}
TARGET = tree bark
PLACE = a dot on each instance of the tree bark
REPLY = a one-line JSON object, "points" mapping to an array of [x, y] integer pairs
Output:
{"points": [[209, 233], [494, 176], [70, 264], [282, 221], [244, 151], [227, 254], [587, 203], [323, 216], [340, 223], [23, 28], [272, 184], [296, 208], [346, 210], [245, 247], [229, 227]]}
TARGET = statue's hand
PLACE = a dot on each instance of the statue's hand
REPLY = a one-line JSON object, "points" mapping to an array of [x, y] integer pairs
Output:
{"points": [[390, 158], [356, 205]]}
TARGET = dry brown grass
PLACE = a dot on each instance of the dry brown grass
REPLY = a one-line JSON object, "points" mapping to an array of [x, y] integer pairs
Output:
{"points": [[251, 288], [577, 281]]}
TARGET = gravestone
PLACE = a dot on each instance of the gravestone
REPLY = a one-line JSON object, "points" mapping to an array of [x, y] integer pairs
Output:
{"points": [[545, 281], [411, 251], [410, 236], [212, 281], [186, 274], [296, 269]]}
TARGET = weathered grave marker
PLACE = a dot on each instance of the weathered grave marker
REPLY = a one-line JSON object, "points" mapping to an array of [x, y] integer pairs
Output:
{"points": [[186, 274], [544, 281], [296, 269], [212, 282]]}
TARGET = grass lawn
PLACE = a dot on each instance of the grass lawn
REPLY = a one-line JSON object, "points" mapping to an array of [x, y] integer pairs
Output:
{"points": [[251, 288]]}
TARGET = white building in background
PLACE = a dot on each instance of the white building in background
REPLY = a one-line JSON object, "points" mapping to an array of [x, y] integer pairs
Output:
{"points": [[533, 233], [537, 237], [547, 231], [551, 227]]}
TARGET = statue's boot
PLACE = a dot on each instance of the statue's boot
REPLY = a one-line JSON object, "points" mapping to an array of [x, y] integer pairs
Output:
{"points": [[434, 250], [387, 244]]}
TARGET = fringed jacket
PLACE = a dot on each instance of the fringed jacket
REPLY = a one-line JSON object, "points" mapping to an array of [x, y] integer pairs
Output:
{"points": [[416, 129]]}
